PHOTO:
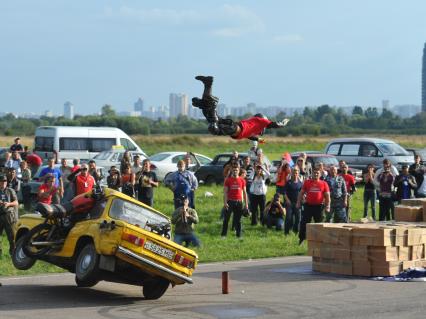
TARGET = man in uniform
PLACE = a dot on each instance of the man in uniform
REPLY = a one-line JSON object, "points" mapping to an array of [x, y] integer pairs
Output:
{"points": [[338, 197], [8, 204]]}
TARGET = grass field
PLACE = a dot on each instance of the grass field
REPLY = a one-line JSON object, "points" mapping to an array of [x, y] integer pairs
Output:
{"points": [[258, 242]]}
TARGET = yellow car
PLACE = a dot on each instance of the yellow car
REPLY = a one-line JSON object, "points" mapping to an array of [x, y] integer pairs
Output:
{"points": [[118, 239]]}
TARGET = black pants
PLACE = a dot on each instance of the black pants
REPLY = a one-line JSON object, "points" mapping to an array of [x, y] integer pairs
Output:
{"points": [[309, 212], [146, 199], [235, 207], [386, 208], [292, 218], [257, 206]]}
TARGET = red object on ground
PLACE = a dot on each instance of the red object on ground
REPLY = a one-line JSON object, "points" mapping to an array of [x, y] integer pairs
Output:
{"points": [[225, 282]]}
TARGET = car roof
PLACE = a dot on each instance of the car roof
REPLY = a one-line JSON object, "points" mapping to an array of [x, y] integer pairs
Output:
{"points": [[312, 154], [361, 139]]}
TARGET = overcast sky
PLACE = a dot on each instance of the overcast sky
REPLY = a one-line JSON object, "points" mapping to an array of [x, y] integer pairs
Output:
{"points": [[287, 53]]}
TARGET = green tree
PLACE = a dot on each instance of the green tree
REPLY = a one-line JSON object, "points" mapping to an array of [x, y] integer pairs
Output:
{"points": [[357, 110], [107, 110]]}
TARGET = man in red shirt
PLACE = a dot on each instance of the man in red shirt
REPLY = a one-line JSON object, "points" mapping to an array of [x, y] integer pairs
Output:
{"points": [[34, 162], [234, 201], [350, 187], [317, 194], [249, 128], [47, 190], [83, 181]]}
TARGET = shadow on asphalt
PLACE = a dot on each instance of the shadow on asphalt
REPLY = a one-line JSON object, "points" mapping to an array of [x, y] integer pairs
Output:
{"points": [[27, 297]]}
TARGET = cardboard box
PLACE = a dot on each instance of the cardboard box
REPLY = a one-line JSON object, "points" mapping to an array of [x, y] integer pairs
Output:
{"points": [[417, 252], [408, 264], [413, 202], [380, 254], [389, 268], [408, 213], [401, 236], [359, 253], [415, 236], [381, 236], [361, 268], [336, 234], [335, 252], [314, 248], [404, 253], [313, 232]]}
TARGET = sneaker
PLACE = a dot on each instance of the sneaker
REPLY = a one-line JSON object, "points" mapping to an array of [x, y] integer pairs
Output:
{"points": [[207, 80]]}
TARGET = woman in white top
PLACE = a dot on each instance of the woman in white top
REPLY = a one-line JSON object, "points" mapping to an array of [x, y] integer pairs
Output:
{"points": [[258, 191]]}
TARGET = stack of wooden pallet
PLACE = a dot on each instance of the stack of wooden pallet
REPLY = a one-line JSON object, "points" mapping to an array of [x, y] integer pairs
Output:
{"points": [[372, 249]]}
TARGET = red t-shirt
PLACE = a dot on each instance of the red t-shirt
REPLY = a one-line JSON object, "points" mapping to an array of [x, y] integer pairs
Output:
{"points": [[34, 160], [314, 191], [349, 180], [235, 187], [84, 184], [74, 168], [46, 188], [252, 126]]}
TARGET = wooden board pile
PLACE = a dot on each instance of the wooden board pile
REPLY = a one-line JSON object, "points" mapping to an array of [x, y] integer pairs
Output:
{"points": [[411, 210], [372, 249]]}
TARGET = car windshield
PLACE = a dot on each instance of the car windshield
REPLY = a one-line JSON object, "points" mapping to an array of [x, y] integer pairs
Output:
{"points": [[203, 160], [134, 214], [392, 149], [102, 156], [159, 157]]}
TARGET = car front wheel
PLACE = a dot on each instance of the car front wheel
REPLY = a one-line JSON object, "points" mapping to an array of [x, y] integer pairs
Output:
{"points": [[155, 288], [86, 267], [19, 259]]}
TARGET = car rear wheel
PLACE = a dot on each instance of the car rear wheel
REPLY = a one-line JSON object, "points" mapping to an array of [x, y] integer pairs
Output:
{"points": [[19, 259], [210, 180], [86, 267], [155, 288]]}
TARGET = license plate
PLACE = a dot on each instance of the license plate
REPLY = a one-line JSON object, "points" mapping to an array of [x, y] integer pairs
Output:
{"points": [[159, 250]]}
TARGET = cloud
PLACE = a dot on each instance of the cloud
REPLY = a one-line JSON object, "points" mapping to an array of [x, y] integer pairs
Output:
{"points": [[287, 38], [225, 21]]}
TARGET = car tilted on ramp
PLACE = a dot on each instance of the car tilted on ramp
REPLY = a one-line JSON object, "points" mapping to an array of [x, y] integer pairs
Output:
{"points": [[116, 239]]}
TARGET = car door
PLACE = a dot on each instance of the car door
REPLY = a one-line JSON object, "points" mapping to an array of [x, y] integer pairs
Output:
{"points": [[349, 152], [369, 154]]}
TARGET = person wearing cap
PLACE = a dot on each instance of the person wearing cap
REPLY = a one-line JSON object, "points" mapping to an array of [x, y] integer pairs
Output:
{"points": [[405, 184], [114, 178], [8, 205], [17, 146], [184, 218], [51, 169], [146, 181], [83, 181]]}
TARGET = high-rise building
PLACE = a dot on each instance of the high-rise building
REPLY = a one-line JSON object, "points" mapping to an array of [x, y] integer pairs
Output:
{"points": [[68, 110], [178, 104], [139, 105], [424, 80]]}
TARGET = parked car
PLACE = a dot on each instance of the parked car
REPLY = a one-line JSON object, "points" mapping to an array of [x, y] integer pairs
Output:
{"points": [[418, 151], [106, 159], [115, 240], [359, 152], [165, 162], [213, 171]]}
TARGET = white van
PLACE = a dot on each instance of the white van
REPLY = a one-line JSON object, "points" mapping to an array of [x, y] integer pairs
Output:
{"points": [[79, 141]]}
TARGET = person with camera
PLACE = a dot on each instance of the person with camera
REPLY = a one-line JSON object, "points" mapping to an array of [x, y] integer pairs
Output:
{"points": [[234, 201], [386, 204], [274, 213], [258, 191], [184, 218], [8, 205], [405, 184], [146, 181]]}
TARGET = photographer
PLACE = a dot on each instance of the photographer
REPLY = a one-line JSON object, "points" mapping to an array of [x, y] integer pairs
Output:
{"points": [[8, 204], [184, 219], [274, 213]]}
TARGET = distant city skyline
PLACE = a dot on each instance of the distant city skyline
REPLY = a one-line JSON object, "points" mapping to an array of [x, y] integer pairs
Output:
{"points": [[279, 52]]}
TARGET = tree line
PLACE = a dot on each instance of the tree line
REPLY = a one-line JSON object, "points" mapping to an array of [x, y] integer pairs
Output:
{"points": [[310, 121]]}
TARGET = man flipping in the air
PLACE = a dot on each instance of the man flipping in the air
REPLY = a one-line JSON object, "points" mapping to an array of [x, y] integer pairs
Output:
{"points": [[249, 128]]}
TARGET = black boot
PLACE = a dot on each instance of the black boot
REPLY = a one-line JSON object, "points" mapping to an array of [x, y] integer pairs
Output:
{"points": [[207, 80]]}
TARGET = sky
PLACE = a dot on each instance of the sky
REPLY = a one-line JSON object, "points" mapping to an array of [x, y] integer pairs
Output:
{"points": [[284, 53]]}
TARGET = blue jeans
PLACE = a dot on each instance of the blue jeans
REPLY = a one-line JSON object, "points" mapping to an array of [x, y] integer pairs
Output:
{"points": [[292, 218], [370, 196], [187, 238], [276, 221]]}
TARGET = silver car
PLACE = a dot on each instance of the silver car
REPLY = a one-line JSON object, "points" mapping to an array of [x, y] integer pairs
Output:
{"points": [[358, 152], [109, 158]]}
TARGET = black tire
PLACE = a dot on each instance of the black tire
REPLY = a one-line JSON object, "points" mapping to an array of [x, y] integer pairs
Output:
{"points": [[155, 288], [86, 266], [38, 233], [85, 284], [19, 259], [210, 180]]}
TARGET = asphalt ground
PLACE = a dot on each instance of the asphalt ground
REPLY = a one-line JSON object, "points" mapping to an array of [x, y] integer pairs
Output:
{"points": [[266, 288]]}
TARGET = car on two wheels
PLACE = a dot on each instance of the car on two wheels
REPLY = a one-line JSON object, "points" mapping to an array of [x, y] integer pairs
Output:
{"points": [[117, 239]]}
